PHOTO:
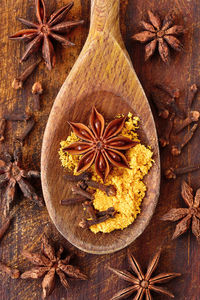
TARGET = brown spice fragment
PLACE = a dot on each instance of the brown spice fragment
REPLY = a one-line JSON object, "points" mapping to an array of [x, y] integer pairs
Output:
{"points": [[142, 284], [176, 148], [188, 215], [29, 126], [163, 112], [76, 178], [2, 129], [174, 94], [79, 191], [164, 139], [110, 190], [87, 223], [70, 201], [89, 208], [37, 90], [172, 173], [48, 264], [193, 116], [12, 174], [191, 95], [18, 82], [100, 216]]}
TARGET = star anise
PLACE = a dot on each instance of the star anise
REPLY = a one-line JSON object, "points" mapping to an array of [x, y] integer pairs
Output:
{"points": [[13, 273], [142, 284], [48, 264], [188, 215], [161, 34], [44, 32], [12, 174], [100, 145]]}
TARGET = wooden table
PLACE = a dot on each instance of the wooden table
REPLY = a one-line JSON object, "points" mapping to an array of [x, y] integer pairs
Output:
{"points": [[29, 222]]}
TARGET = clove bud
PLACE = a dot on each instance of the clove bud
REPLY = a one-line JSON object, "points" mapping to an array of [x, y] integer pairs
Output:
{"points": [[191, 94], [75, 178], [18, 82], [79, 191], [110, 190], [164, 139], [37, 90], [172, 173], [29, 126], [176, 149], [70, 201], [192, 117]]}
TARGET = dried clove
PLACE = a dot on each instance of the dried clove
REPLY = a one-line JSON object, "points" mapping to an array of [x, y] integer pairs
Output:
{"points": [[13, 273], [75, 178], [173, 93], [37, 90], [70, 201], [172, 173], [110, 211], [29, 126], [96, 216], [192, 117], [163, 112], [89, 208], [18, 82], [191, 95], [17, 116], [164, 139], [110, 190], [176, 149], [2, 129], [87, 223], [79, 191]]}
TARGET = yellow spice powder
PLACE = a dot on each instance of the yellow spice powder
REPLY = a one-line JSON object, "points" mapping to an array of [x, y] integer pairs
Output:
{"points": [[128, 182]]}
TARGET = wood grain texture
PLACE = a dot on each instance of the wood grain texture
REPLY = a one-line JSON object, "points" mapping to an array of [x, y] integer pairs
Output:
{"points": [[181, 255], [111, 85]]}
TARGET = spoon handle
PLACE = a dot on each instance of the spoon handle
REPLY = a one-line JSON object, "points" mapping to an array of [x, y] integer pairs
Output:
{"points": [[105, 16]]}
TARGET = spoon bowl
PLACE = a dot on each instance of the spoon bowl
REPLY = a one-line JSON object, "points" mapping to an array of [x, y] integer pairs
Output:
{"points": [[102, 76]]}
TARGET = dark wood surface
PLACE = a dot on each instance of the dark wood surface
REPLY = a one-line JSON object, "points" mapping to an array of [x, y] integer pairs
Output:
{"points": [[29, 222]]}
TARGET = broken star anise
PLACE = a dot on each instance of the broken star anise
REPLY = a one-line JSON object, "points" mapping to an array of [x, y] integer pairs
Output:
{"points": [[44, 32], [48, 264], [100, 145], [142, 284], [12, 174], [188, 215], [161, 34]]}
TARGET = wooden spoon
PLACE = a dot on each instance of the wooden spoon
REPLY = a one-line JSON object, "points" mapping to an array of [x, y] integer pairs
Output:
{"points": [[102, 76]]}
